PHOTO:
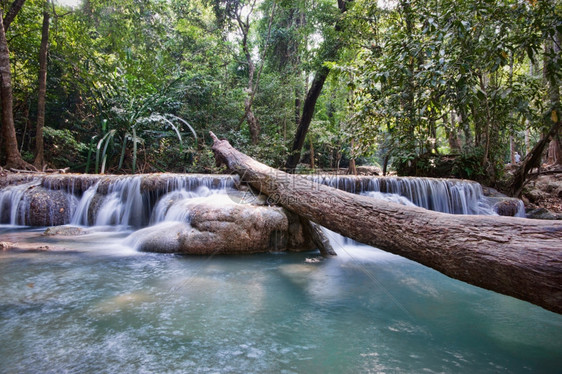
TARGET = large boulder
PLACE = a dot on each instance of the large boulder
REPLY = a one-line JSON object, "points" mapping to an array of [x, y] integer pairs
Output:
{"points": [[543, 196], [225, 228], [508, 206], [44, 207]]}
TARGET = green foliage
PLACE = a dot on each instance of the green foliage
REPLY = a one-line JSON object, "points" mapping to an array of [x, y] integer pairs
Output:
{"points": [[63, 150], [136, 85], [423, 62], [468, 165]]}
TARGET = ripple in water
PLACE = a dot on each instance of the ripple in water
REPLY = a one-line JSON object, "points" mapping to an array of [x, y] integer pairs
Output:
{"points": [[95, 308]]}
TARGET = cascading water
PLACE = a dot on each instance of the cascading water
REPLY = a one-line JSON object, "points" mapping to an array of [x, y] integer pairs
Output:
{"points": [[80, 215], [12, 204], [134, 202], [447, 196], [442, 195]]}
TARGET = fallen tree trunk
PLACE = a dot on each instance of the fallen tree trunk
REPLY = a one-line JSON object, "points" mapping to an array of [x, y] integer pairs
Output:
{"points": [[513, 256]]}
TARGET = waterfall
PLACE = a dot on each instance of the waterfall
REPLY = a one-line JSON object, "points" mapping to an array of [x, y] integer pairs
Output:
{"points": [[442, 195], [175, 205], [126, 203], [80, 216], [138, 201], [123, 201], [12, 203]]}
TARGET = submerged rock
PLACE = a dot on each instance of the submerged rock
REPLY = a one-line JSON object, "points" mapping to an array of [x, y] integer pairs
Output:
{"points": [[228, 228], [4, 246], [65, 230]]}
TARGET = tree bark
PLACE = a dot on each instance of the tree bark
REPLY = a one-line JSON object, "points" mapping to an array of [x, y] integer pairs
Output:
{"points": [[452, 135], [39, 145], [312, 163], [319, 238], [12, 13], [352, 170], [555, 151], [13, 156], [310, 101], [306, 117], [513, 256], [511, 150], [249, 115]]}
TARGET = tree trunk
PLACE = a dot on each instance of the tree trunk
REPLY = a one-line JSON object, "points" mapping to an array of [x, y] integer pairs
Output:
{"points": [[487, 123], [408, 95], [511, 150], [253, 124], [513, 256], [386, 159], [310, 100], [306, 117], [13, 157], [527, 140], [452, 133], [39, 146], [555, 152], [532, 160], [12, 13], [352, 170], [312, 163], [555, 147], [465, 125]]}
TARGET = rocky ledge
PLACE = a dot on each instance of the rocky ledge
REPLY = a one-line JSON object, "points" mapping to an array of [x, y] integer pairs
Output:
{"points": [[226, 228], [543, 195]]}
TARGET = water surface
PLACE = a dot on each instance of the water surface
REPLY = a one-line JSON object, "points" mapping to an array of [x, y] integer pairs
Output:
{"points": [[99, 306]]}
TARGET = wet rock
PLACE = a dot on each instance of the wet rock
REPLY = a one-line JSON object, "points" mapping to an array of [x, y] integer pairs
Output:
{"points": [[95, 205], [368, 170], [509, 207], [491, 192], [544, 191], [46, 207], [65, 230], [543, 213], [228, 228]]}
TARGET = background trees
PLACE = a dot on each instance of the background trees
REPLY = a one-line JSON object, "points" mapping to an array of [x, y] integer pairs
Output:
{"points": [[426, 87], [442, 77]]}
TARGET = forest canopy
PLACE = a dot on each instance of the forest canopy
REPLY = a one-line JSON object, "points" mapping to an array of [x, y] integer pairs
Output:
{"points": [[435, 87]]}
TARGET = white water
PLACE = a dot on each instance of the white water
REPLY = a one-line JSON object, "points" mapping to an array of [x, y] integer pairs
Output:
{"points": [[124, 204], [12, 203], [442, 195], [80, 216]]}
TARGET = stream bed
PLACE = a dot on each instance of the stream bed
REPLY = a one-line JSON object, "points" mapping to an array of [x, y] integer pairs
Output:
{"points": [[95, 305]]}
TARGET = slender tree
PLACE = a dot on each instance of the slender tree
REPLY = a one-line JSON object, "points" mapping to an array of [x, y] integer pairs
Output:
{"points": [[42, 92], [312, 95], [244, 27], [13, 156]]}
